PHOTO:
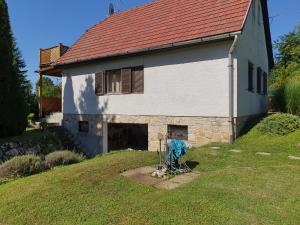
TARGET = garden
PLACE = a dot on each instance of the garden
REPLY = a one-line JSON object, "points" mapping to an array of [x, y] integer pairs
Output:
{"points": [[254, 181]]}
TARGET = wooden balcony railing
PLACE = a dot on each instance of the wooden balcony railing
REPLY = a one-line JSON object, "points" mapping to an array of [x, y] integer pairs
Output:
{"points": [[50, 55]]}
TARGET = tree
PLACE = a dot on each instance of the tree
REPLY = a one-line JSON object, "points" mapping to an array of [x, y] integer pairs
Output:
{"points": [[49, 88], [13, 83], [285, 77], [287, 58]]}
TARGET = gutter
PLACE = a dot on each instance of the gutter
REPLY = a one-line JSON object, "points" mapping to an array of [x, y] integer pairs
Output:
{"points": [[231, 90], [155, 48]]}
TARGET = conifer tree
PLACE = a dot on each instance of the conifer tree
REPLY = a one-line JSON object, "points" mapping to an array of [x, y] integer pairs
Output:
{"points": [[13, 83]]}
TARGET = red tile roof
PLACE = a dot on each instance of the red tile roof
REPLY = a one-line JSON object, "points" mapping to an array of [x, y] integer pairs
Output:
{"points": [[158, 23]]}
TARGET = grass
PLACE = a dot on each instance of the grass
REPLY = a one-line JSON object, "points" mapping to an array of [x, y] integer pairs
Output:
{"points": [[235, 188]]}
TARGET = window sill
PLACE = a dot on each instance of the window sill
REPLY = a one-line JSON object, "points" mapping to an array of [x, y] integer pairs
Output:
{"points": [[108, 94]]}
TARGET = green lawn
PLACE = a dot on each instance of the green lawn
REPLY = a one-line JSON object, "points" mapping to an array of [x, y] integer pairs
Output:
{"points": [[235, 188]]}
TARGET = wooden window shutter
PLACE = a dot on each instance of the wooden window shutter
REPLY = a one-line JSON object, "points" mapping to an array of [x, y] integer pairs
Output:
{"points": [[99, 83], [126, 80], [138, 80]]}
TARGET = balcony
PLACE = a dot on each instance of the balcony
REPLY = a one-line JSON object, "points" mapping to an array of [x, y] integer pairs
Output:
{"points": [[48, 57]]}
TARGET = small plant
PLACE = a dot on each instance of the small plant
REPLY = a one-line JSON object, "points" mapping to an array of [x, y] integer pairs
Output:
{"points": [[292, 96], [279, 124], [60, 158], [21, 166], [30, 117]]}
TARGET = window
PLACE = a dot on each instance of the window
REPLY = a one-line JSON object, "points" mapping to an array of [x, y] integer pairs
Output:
{"points": [[178, 132], [126, 81], [113, 81], [83, 126], [258, 80], [250, 77], [265, 83]]}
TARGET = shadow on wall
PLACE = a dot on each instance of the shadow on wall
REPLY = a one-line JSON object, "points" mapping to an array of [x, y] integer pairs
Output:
{"points": [[68, 101], [88, 108]]}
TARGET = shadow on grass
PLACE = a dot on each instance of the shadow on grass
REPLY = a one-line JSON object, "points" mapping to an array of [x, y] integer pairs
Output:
{"points": [[192, 164]]}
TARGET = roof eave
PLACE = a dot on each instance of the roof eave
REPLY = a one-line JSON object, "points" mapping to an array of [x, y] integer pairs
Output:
{"points": [[155, 48]]}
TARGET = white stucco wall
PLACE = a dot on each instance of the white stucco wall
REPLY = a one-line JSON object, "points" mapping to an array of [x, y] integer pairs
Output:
{"points": [[251, 47], [183, 82]]}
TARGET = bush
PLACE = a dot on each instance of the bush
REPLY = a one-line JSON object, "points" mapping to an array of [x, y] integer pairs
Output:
{"points": [[59, 158], [292, 96], [277, 102], [280, 124], [30, 117], [21, 166]]}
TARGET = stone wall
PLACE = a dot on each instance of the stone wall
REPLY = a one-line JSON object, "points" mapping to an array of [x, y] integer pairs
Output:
{"points": [[201, 130]]}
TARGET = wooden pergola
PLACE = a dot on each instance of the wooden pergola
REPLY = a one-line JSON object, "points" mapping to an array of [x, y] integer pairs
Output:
{"points": [[48, 57]]}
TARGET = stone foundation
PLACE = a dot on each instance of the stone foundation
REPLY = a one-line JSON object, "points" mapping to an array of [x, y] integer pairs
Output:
{"points": [[201, 130]]}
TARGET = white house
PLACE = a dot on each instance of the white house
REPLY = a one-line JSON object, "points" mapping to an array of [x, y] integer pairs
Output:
{"points": [[193, 69]]}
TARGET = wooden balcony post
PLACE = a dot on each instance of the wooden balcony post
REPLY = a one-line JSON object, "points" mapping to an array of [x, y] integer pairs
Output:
{"points": [[40, 95]]}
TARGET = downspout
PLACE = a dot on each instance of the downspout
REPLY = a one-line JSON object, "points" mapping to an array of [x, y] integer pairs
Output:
{"points": [[231, 90]]}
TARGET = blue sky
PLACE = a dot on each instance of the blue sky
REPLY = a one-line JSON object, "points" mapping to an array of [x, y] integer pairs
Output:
{"points": [[44, 23]]}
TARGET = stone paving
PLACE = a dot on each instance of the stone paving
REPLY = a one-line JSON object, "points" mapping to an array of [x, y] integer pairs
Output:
{"points": [[294, 157], [263, 153], [143, 175], [235, 151]]}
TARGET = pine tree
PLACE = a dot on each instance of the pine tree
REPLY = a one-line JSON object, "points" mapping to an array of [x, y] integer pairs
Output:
{"points": [[13, 83]]}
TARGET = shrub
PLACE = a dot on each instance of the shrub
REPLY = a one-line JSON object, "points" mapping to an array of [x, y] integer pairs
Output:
{"points": [[59, 158], [278, 100], [280, 124], [30, 117], [292, 96], [21, 166]]}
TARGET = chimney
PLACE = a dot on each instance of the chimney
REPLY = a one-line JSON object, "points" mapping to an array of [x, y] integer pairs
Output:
{"points": [[111, 9]]}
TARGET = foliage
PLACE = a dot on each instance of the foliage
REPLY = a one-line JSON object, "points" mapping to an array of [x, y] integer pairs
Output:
{"points": [[21, 166], [30, 117], [279, 124], [60, 158], [13, 83], [286, 71], [47, 141], [43, 126], [287, 59], [278, 100], [49, 88], [292, 96]]}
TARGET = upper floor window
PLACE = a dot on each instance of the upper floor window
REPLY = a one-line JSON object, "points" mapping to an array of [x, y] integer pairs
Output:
{"points": [[113, 81], [250, 77], [126, 81]]}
